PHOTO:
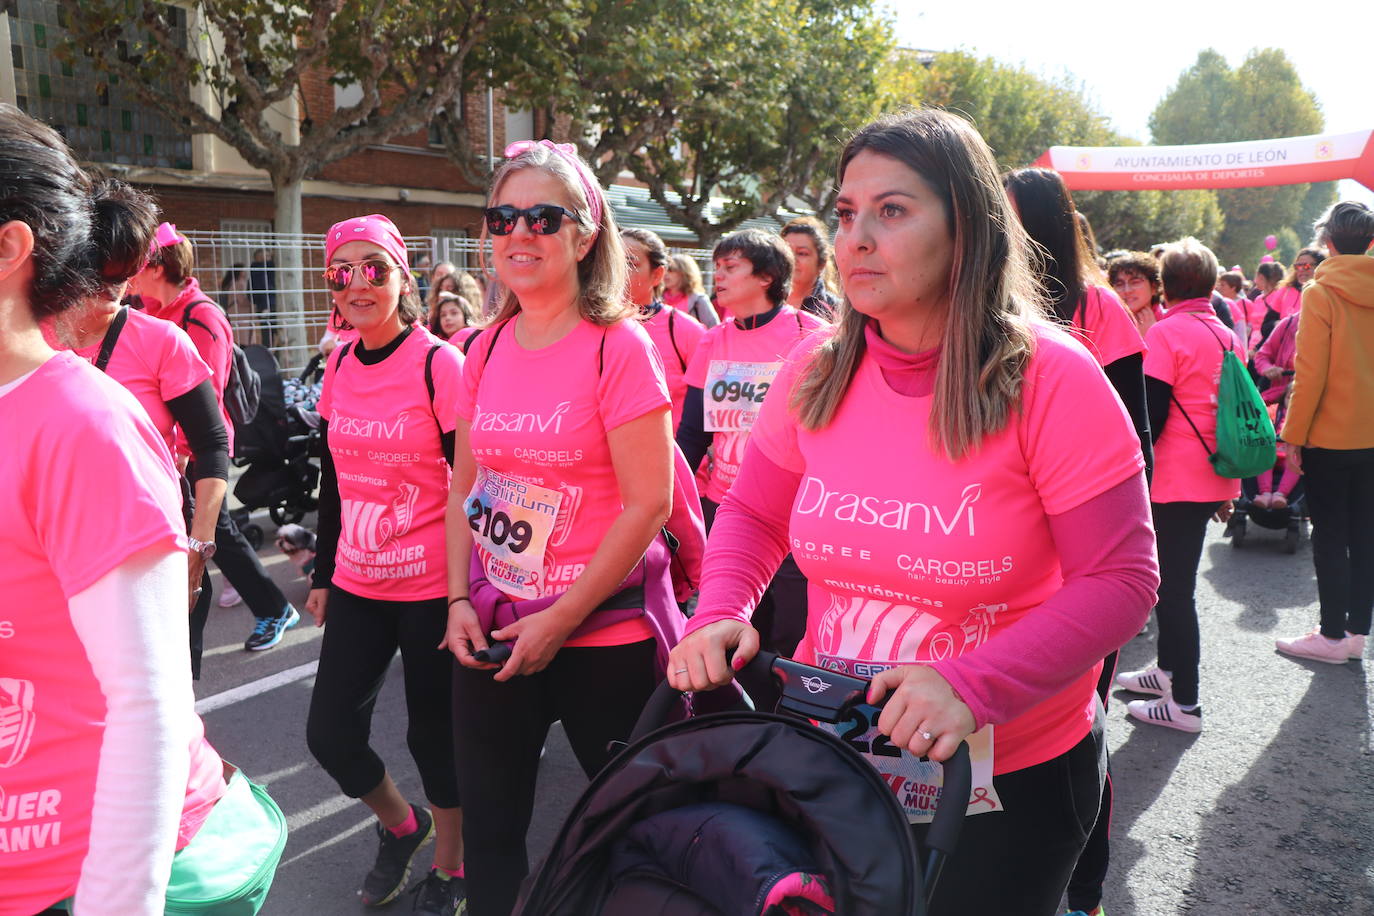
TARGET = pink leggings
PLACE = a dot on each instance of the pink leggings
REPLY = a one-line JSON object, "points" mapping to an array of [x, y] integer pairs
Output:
{"points": [[1287, 482]]}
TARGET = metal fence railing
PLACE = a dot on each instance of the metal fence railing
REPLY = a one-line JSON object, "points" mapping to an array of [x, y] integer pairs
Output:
{"points": [[242, 272]]}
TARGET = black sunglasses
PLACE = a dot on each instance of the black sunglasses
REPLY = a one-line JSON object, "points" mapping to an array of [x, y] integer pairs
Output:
{"points": [[374, 270], [543, 219]]}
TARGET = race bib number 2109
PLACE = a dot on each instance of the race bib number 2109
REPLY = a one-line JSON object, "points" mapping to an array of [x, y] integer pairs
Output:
{"points": [[511, 520]]}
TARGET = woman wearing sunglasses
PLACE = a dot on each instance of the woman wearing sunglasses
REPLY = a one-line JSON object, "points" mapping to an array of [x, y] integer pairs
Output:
{"points": [[386, 431], [563, 478]]}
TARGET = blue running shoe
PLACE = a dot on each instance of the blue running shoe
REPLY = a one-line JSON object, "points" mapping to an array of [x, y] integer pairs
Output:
{"points": [[269, 630]]}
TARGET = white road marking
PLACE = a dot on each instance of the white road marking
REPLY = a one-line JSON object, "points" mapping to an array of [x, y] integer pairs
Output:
{"points": [[255, 688]]}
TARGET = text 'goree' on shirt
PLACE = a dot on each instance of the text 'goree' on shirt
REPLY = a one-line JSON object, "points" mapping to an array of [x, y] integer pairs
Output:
{"points": [[913, 558], [735, 368], [384, 438], [546, 491]]}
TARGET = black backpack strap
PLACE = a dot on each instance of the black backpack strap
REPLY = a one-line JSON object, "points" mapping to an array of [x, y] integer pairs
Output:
{"points": [[601, 355], [429, 372], [672, 338], [1191, 423], [111, 336], [466, 346], [186, 318]]}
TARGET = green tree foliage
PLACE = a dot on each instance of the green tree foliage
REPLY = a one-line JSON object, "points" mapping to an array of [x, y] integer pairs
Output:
{"points": [[1021, 115], [708, 99], [242, 69], [1261, 99]]}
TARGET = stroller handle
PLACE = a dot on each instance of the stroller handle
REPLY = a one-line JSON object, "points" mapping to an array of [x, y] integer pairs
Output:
{"points": [[827, 696]]}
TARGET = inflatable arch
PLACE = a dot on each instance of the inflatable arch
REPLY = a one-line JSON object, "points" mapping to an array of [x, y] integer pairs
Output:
{"points": [[1248, 164]]}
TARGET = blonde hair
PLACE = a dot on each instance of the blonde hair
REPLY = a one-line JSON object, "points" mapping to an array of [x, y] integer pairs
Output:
{"points": [[684, 265], [994, 301], [601, 274]]}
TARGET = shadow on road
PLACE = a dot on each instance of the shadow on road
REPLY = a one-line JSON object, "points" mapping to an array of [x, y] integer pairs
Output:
{"points": [[1247, 577], [1297, 829]]}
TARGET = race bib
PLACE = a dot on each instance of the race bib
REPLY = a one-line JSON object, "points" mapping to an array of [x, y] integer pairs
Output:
{"points": [[512, 521], [917, 782], [734, 394]]}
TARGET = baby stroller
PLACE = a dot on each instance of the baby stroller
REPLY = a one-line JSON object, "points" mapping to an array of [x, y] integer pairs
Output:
{"points": [[1292, 519], [721, 814], [275, 450]]}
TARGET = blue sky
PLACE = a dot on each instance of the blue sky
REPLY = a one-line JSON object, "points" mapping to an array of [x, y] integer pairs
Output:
{"points": [[1127, 57]]}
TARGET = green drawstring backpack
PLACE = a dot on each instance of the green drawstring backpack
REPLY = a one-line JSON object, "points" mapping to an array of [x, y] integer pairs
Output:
{"points": [[1245, 435]]}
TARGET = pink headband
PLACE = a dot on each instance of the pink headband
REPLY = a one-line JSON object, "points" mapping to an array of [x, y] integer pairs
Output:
{"points": [[373, 228], [165, 235], [568, 153]]}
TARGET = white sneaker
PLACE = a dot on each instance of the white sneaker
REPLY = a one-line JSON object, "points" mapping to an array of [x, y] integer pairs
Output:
{"points": [[1354, 645], [1164, 711], [1316, 647], [229, 597], [1148, 680]]}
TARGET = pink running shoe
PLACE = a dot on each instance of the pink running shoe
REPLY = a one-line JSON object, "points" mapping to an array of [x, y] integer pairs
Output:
{"points": [[1316, 647], [1354, 645]]}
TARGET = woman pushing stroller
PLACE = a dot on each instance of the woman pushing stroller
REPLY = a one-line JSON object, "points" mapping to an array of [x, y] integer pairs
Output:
{"points": [[964, 583]]}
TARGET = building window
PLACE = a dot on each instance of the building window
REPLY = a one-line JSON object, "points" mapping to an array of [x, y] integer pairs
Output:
{"points": [[519, 125], [118, 128], [452, 245]]}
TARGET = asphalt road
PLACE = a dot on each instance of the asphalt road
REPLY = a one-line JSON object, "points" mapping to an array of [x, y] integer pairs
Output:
{"points": [[1270, 810]]}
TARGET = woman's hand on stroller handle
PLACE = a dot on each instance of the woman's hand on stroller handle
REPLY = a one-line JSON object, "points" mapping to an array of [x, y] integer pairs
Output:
{"points": [[703, 659], [920, 703]]}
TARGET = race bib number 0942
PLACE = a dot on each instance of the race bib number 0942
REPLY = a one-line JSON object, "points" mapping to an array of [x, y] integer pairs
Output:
{"points": [[734, 394], [512, 520]]}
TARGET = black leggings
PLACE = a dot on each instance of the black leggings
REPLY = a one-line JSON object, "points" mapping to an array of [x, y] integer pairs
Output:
{"points": [[598, 693], [361, 636], [1180, 529], [1340, 496], [1085, 886], [1016, 862]]}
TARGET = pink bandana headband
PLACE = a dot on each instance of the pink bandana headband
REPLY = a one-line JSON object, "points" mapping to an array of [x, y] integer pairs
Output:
{"points": [[373, 228], [568, 153], [165, 236]]}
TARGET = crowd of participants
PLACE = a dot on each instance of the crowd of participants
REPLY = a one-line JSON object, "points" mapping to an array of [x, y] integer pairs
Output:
{"points": [[949, 447]]}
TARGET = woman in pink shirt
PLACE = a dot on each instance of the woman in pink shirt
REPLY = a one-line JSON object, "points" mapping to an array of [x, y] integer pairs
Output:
{"points": [[1134, 277], [1275, 361], [727, 384], [157, 362], [1182, 372], [104, 768], [683, 290], [1098, 319], [563, 480], [966, 496], [676, 335], [386, 433]]}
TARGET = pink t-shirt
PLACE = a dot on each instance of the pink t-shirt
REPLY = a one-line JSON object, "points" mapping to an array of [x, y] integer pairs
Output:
{"points": [[80, 456], [1285, 300], [384, 437], [461, 336], [546, 491], [1105, 327], [676, 336], [157, 362], [213, 338], [911, 557], [735, 368], [1185, 350]]}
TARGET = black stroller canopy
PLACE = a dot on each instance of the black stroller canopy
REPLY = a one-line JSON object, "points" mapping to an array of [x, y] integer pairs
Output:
{"points": [[779, 765]]}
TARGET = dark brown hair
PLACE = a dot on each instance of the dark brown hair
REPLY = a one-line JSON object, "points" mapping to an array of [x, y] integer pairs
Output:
{"points": [[766, 253]]}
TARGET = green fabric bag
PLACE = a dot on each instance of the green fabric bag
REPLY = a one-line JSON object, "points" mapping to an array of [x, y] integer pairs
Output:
{"points": [[228, 867], [1246, 444]]}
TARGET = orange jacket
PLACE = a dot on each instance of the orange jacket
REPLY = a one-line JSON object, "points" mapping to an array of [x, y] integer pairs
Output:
{"points": [[1333, 385]]}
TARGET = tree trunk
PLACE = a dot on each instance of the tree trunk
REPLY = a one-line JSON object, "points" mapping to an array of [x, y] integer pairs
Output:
{"points": [[290, 297]]}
